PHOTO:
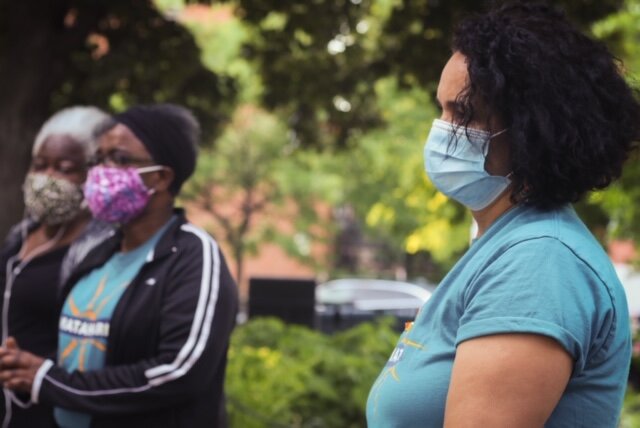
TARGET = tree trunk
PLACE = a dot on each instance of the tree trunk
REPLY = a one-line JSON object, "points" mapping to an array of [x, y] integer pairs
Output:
{"points": [[238, 255], [31, 68], [14, 157]]}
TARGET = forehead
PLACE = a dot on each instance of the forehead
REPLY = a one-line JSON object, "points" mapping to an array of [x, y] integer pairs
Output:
{"points": [[120, 137], [453, 79], [61, 146]]}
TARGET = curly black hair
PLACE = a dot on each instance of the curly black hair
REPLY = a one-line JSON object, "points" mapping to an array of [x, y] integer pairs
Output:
{"points": [[572, 118]]}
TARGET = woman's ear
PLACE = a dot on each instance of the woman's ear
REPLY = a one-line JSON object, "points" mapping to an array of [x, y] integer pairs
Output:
{"points": [[165, 179]]}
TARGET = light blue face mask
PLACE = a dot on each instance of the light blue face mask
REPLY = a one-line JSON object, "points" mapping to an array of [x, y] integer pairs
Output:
{"points": [[456, 167]]}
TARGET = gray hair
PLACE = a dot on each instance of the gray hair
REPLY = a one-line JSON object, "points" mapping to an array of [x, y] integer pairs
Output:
{"points": [[80, 123]]}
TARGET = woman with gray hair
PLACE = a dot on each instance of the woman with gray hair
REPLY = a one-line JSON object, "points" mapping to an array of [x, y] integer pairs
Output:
{"points": [[147, 316], [56, 233]]}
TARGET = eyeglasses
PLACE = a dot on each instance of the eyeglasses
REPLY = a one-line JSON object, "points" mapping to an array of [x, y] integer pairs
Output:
{"points": [[117, 158]]}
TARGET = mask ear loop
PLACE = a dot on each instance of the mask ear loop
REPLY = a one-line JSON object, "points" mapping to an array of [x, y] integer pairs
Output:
{"points": [[152, 168], [498, 133], [486, 151], [508, 176]]}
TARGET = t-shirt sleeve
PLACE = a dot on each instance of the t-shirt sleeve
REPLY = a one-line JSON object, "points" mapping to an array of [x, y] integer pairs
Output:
{"points": [[540, 286]]}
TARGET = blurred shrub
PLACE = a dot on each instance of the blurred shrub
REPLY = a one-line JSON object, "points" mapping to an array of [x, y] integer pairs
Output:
{"points": [[630, 417], [282, 375]]}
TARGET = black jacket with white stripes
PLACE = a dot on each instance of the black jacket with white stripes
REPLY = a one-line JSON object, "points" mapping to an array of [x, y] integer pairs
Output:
{"points": [[167, 343]]}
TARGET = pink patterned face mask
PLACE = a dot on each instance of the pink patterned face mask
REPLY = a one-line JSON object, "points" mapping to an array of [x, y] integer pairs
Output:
{"points": [[117, 195]]}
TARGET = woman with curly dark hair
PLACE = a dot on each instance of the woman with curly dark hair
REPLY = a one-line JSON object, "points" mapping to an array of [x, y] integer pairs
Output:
{"points": [[530, 328]]}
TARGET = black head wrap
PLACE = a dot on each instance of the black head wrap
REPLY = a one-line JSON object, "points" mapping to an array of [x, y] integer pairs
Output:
{"points": [[170, 134]]}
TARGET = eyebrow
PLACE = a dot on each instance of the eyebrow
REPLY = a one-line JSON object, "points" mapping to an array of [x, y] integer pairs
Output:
{"points": [[451, 105]]}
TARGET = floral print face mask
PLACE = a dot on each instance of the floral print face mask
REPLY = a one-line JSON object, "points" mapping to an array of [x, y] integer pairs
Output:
{"points": [[51, 200], [117, 195]]}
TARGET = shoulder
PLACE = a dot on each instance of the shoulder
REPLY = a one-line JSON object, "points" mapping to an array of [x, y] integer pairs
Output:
{"points": [[556, 269], [192, 238], [195, 247], [14, 236], [528, 222], [528, 241], [548, 258], [554, 236], [541, 285], [199, 257]]}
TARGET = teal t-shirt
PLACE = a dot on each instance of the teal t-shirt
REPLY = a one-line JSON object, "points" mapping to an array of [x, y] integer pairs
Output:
{"points": [[86, 316], [531, 272]]}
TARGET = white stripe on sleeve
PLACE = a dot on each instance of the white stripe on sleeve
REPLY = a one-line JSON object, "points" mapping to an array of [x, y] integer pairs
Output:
{"points": [[198, 335], [37, 380], [200, 328]]}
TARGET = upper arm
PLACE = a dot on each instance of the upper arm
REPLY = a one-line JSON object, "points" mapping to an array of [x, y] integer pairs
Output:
{"points": [[506, 380], [540, 287], [532, 319], [197, 315]]}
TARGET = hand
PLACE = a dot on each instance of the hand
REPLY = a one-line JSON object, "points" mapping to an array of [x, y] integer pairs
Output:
{"points": [[17, 368]]}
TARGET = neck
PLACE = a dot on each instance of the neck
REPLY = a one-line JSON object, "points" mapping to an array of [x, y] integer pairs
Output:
{"points": [[50, 231], [139, 230], [47, 237], [72, 228], [488, 215]]}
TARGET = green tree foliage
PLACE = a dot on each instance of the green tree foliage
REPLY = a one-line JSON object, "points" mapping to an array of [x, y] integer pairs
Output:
{"points": [[418, 32], [136, 54], [110, 53], [316, 64], [320, 59], [257, 176], [220, 36], [388, 185], [289, 376], [630, 417], [253, 179], [621, 202], [237, 181], [621, 31], [325, 66]]}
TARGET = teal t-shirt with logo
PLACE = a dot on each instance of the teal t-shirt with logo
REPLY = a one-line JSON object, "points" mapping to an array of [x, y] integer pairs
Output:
{"points": [[86, 316], [539, 272]]}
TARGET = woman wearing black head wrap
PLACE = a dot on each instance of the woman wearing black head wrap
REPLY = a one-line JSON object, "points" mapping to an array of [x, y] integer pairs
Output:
{"points": [[159, 128], [147, 316]]}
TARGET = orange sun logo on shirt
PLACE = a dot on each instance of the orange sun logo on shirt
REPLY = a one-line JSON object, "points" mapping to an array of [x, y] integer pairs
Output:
{"points": [[91, 313], [390, 369]]}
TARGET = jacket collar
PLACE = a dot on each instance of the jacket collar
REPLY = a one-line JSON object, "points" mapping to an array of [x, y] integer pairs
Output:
{"points": [[167, 243], [103, 252], [16, 236]]}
